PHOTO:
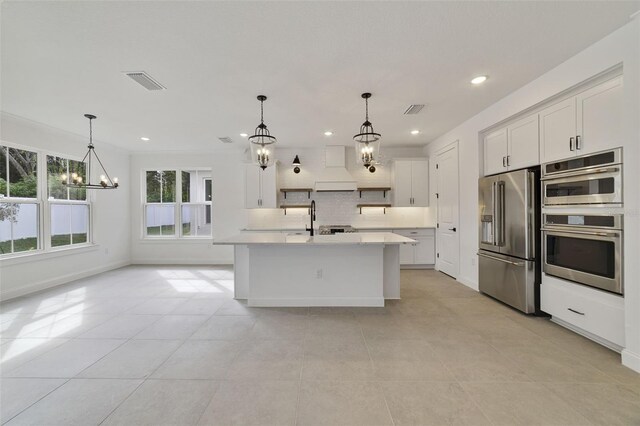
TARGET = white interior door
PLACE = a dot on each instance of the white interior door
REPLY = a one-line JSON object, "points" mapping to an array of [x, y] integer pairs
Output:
{"points": [[447, 239]]}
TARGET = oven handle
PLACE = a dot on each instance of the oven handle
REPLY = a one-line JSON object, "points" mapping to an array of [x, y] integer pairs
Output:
{"points": [[572, 231], [582, 173], [501, 260]]}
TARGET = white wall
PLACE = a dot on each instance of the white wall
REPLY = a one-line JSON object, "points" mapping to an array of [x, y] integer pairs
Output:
{"points": [[336, 208], [228, 212], [110, 215], [622, 46]]}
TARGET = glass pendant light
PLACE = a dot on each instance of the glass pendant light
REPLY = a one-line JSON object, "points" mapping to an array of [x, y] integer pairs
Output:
{"points": [[75, 180], [367, 141], [262, 143]]}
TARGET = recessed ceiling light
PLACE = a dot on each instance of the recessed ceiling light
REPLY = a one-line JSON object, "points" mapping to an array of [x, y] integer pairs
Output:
{"points": [[244, 135], [415, 132], [479, 79], [328, 133], [144, 139]]}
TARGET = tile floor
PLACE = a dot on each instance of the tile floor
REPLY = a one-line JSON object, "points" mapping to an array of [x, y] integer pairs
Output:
{"points": [[169, 345]]}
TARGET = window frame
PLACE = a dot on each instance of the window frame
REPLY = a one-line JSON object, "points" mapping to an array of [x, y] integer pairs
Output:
{"points": [[178, 234], [43, 205]]}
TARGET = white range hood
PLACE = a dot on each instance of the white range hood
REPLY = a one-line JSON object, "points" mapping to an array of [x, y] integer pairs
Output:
{"points": [[334, 176]]}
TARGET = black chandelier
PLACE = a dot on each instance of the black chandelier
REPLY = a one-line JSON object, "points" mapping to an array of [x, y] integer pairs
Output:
{"points": [[262, 149], [77, 181], [367, 141]]}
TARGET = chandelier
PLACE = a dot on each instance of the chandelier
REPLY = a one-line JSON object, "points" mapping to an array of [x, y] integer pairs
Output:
{"points": [[262, 143], [77, 181], [367, 141]]}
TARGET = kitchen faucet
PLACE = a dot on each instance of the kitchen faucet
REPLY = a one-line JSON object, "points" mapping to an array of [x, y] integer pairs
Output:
{"points": [[313, 217]]}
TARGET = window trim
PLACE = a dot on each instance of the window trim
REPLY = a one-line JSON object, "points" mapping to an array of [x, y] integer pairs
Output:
{"points": [[177, 204]]}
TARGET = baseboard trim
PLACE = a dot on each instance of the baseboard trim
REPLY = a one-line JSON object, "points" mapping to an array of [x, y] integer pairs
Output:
{"points": [[180, 261], [590, 336], [426, 266], [57, 281], [469, 283], [321, 301], [631, 360]]}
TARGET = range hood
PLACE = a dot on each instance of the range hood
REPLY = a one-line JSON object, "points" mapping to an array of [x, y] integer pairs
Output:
{"points": [[335, 177]]}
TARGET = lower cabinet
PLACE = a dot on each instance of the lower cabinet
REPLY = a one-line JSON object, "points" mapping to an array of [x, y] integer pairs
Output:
{"points": [[423, 252], [593, 313]]}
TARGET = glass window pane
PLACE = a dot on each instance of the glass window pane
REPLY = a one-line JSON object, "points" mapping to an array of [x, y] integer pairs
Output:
{"points": [[81, 169], [79, 223], [3, 171], [56, 167], [194, 220], [60, 225], [186, 186], [169, 186], [23, 173], [18, 222], [153, 187], [160, 220]]}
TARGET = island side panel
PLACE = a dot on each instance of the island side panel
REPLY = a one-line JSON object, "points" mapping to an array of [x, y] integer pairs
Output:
{"points": [[392, 271], [241, 272], [316, 275]]}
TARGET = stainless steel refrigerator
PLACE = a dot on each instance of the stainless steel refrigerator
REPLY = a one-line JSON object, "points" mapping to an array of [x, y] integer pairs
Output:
{"points": [[509, 252]]}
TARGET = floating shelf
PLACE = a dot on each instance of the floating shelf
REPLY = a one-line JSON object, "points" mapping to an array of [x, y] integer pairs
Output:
{"points": [[384, 206], [382, 189], [295, 206], [307, 190]]}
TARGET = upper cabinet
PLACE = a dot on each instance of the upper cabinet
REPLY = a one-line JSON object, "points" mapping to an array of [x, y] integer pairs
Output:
{"points": [[512, 147], [410, 182], [583, 124], [261, 187]]}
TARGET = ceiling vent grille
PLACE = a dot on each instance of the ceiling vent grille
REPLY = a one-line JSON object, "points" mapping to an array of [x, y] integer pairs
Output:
{"points": [[226, 139], [145, 80], [414, 109]]}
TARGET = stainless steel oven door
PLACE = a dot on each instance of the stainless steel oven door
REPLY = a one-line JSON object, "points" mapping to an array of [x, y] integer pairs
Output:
{"points": [[590, 257], [590, 186]]}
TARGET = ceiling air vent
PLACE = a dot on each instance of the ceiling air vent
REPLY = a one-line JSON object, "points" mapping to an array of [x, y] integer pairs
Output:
{"points": [[226, 139], [414, 109], [145, 80]]}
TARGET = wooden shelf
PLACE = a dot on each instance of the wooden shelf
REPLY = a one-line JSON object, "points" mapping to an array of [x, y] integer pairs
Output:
{"points": [[294, 206], [382, 189], [384, 206], [307, 190]]}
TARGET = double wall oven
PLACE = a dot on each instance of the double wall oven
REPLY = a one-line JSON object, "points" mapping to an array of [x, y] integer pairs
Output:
{"points": [[582, 222]]}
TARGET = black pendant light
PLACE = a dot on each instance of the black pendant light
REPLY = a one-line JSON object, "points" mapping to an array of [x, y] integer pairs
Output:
{"points": [[296, 165], [262, 149], [367, 141], [76, 181]]}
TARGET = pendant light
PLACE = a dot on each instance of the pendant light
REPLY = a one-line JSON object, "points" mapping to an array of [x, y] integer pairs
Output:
{"points": [[262, 143], [77, 181], [296, 165], [367, 141]]}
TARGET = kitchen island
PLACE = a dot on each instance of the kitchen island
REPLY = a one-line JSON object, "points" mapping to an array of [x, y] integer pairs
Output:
{"points": [[275, 269]]}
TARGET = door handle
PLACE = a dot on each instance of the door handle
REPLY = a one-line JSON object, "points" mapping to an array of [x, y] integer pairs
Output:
{"points": [[452, 229], [575, 312], [501, 260], [578, 143], [504, 161], [571, 143], [508, 160]]}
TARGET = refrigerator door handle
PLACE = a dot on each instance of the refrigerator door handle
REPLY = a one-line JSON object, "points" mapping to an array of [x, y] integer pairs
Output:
{"points": [[499, 213], [494, 199]]}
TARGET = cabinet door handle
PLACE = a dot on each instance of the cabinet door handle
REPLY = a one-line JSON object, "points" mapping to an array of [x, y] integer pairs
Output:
{"points": [[508, 160], [504, 161], [578, 143], [571, 143], [575, 312]]}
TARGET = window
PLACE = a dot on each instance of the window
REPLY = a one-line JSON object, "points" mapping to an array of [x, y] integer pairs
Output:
{"points": [[177, 196], [19, 204], [68, 206]]}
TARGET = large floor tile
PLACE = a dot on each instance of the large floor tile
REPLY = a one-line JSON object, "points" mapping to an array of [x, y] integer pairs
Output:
{"points": [[336, 358], [77, 402], [334, 325], [431, 403], [513, 404], [123, 326], [136, 359], [156, 306], [70, 326], [268, 359], [198, 307], [66, 360], [406, 360], [253, 403], [172, 327], [225, 328], [164, 402], [280, 327], [18, 394], [15, 352], [344, 402], [200, 359]]}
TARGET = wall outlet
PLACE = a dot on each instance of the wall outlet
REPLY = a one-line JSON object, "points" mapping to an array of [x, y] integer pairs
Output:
{"points": [[319, 274]]}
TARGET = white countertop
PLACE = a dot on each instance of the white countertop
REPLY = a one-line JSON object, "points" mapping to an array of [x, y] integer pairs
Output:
{"points": [[358, 228], [282, 239]]}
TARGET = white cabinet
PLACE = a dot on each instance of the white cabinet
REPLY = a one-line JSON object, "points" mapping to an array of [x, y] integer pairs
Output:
{"points": [[261, 187], [423, 252], [512, 147], [588, 122], [410, 183]]}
